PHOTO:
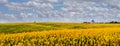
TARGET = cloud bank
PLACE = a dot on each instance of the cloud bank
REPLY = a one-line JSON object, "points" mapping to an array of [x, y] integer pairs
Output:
{"points": [[62, 10]]}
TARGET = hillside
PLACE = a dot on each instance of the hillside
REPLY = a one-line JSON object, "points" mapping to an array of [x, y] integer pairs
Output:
{"points": [[32, 27]]}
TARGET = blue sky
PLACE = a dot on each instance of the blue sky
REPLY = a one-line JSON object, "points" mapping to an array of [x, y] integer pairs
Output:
{"points": [[59, 10]]}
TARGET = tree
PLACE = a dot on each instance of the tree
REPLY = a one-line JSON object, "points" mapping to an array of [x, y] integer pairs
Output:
{"points": [[34, 21], [114, 22], [93, 21]]}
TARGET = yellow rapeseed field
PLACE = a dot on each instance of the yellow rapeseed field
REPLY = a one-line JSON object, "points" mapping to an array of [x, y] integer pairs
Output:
{"points": [[67, 37]]}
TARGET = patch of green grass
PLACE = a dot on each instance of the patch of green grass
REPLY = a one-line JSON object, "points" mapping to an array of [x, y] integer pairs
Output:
{"points": [[30, 27]]}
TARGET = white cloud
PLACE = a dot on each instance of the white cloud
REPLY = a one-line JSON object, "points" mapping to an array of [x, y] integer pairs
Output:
{"points": [[53, 0], [28, 15], [7, 17], [3, 1], [72, 10], [28, 5]]}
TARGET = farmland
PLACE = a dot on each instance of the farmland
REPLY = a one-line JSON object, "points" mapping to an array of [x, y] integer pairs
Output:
{"points": [[59, 34]]}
